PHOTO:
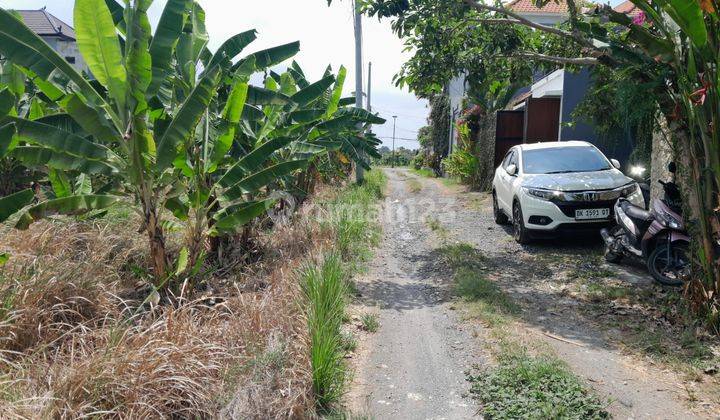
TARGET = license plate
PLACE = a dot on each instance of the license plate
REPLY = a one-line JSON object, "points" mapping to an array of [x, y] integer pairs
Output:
{"points": [[586, 214]]}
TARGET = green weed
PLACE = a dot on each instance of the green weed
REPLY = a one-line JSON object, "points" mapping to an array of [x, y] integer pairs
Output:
{"points": [[598, 292], [348, 341], [484, 299], [370, 322], [524, 386], [414, 185]]}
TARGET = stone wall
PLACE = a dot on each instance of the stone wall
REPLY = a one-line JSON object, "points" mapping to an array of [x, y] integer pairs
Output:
{"points": [[485, 149], [662, 154]]}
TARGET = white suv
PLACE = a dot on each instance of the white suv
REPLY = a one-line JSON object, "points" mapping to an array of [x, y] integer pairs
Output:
{"points": [[549, 188]]}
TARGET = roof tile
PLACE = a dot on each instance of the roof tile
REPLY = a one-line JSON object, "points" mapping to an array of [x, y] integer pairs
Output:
{"points": [[43, 23], [528, 6]]}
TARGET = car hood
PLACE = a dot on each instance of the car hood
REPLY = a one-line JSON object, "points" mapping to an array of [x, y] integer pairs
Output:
{"points": [[577, 181]]}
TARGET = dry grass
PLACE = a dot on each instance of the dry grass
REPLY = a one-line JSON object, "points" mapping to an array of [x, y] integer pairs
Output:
{"points": [[74, 343]]}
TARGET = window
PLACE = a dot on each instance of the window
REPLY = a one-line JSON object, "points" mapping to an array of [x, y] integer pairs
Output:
{"points": [[558, 160], [70, 60]]}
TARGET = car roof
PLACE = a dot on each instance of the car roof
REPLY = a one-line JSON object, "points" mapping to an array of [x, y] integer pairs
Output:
{"points": [[553, 145]]}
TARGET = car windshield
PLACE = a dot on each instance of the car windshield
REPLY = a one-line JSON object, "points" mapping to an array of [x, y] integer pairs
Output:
{"points": [[558, 160]]}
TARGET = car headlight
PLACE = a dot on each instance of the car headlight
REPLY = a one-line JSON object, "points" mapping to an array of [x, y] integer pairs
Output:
{"points": [[630, 190], [542, 193]]}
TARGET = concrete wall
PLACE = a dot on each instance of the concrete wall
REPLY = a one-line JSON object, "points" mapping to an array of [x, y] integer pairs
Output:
{"points": [[68, 48], [485, 149]]}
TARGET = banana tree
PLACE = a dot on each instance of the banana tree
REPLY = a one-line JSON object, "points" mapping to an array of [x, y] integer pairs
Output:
{"points": [[132, 137]]}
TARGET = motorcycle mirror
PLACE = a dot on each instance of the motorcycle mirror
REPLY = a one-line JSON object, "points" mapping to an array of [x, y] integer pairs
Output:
{"points": [[511, 169], [672, 168], [615, 163]]}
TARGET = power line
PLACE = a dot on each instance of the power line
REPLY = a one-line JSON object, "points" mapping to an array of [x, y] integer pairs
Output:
{"points": [[387, 111], [396, 138]]}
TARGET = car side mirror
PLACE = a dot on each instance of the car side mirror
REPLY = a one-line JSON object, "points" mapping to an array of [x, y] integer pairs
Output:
{"points": [[615, 163], [511, 169]]}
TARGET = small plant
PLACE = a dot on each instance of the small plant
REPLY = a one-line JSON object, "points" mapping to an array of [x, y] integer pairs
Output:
{"points": [[369, 322], [348, 341], [536, 387], [424, 172], [434, 224], [598, 292]]}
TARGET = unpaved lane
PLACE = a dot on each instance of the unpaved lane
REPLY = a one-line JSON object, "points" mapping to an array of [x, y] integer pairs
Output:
{"points": [[416, 363]]}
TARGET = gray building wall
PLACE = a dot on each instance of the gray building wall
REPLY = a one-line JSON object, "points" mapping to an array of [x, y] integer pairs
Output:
{"points": [[576, 87], [67, 48]]}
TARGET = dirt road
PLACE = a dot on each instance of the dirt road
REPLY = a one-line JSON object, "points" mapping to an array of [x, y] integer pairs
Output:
{"points": [[413, 367]]}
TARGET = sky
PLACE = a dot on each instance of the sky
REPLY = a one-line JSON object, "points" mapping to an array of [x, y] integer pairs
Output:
{"points": [[326, 37]]}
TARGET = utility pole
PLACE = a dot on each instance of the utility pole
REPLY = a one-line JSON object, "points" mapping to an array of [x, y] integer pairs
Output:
{"points": [[359, 171], [369, 87], [393, 153]]}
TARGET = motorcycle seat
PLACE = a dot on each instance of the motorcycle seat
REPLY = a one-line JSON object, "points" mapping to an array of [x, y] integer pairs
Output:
{"points": [[637, 213]]}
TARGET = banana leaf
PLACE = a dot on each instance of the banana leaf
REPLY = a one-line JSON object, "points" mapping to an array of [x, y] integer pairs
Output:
{"points": [[232, 218], [183, 125], [98, 43], [254, 182], [73, 205], [13, 203]]}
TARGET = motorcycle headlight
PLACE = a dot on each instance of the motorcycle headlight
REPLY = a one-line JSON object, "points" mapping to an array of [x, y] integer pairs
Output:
{"points": [[542, 193], [670, 221]]}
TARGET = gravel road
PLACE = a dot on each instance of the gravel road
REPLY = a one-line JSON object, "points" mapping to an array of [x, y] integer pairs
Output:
{"points": [[413, 367]]}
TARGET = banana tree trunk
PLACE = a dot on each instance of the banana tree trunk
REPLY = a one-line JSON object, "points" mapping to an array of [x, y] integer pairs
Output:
{"points": [[156, 238]]}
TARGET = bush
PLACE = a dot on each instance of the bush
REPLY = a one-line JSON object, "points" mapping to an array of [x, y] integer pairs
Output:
{"points": [[464, 166], [418, 161]]}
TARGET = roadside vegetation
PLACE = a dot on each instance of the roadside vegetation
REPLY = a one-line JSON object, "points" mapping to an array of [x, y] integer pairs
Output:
{"points": [[326, 281], [533, 387], [153, 218], [527, 381]]}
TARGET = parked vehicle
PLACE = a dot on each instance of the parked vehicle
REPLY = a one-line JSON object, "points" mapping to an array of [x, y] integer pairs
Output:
{"points": [[549, 188], [657, 236]]}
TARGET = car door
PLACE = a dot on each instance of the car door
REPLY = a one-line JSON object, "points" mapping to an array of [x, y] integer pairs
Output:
{"points": [[505, 182]]}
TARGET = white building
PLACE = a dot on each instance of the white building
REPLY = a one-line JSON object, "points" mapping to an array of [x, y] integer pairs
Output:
{"points": [[56, 33]]}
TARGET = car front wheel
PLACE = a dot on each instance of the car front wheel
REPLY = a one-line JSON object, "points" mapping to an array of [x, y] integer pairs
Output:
{"points": [[521, 234]]}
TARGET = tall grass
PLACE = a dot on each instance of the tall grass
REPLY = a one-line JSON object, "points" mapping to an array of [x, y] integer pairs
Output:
{"points": [[351, 218], [326, 289]]}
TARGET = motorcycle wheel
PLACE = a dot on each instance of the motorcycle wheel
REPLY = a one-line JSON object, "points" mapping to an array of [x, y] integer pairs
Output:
{"points": [[610, 255], [669, 270]]}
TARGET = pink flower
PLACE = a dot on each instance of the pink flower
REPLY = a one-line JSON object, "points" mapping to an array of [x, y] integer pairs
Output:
{"points": [[639, 19]]}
